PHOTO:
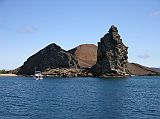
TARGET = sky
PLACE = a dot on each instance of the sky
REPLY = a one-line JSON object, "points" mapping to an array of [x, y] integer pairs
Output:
{"points": [[26, 26]]}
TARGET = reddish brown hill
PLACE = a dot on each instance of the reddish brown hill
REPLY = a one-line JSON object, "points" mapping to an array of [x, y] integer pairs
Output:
{"points": [[86, 54]]}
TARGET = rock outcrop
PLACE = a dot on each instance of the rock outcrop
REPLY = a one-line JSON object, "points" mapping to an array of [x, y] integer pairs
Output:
{"points": [[111, 55], [67, 72], [85, 54], [52, 56]]}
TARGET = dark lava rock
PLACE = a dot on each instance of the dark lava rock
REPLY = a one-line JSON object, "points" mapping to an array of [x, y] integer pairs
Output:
{"points": [[86, 55], [67, 72], [51, 57], [111, 55]]}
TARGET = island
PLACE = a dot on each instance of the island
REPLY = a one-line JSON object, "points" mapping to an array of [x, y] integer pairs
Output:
{"points": [[109, 59]]}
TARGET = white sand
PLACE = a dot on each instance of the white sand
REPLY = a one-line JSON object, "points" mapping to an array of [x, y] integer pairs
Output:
{"points": [[8, 75]]}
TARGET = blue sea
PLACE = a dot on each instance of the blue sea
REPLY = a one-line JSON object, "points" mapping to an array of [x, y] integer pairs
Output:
{"points": [[80, 98]]}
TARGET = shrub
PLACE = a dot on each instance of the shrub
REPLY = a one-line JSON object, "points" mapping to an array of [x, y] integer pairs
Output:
{"points": [[3, 71]]}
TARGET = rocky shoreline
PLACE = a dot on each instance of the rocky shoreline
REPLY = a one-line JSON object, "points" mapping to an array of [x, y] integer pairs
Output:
{"points": [[71, 72]]}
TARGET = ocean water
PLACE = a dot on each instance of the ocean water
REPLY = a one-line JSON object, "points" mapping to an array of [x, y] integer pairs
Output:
{"points": [[80, 98]]}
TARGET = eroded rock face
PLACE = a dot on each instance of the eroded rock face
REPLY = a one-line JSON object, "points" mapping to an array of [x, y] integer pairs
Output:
{"points": [[52, 57], [111, 55]]}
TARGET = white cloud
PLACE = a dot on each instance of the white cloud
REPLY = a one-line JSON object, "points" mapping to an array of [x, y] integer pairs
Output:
{"points": [[156, 13], [144, 56], [28, 29]]}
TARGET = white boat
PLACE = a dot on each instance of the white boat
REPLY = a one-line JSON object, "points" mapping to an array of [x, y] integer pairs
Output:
{"points": [[38, 75]]}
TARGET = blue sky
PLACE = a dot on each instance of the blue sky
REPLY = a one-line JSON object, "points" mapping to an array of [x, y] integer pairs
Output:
{"points": [[26, 26]]}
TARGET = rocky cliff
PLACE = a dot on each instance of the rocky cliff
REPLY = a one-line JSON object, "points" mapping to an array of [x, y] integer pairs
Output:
{"points": [[86, 55], [111, 55], [51, 57]]}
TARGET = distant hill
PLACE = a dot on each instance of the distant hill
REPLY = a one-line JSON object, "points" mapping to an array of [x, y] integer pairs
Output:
{"points": [[137, 69], [156, 69]]}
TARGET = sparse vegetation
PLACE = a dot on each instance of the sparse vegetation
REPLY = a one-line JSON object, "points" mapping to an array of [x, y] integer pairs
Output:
{"points": [[3, 71]]}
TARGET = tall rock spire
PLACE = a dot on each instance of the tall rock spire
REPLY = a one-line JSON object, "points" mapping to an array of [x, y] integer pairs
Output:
{"points": [[111, 55]]}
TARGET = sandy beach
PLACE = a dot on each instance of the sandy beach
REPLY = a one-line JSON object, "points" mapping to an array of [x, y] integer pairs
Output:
{"points": [[8, 75]]}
